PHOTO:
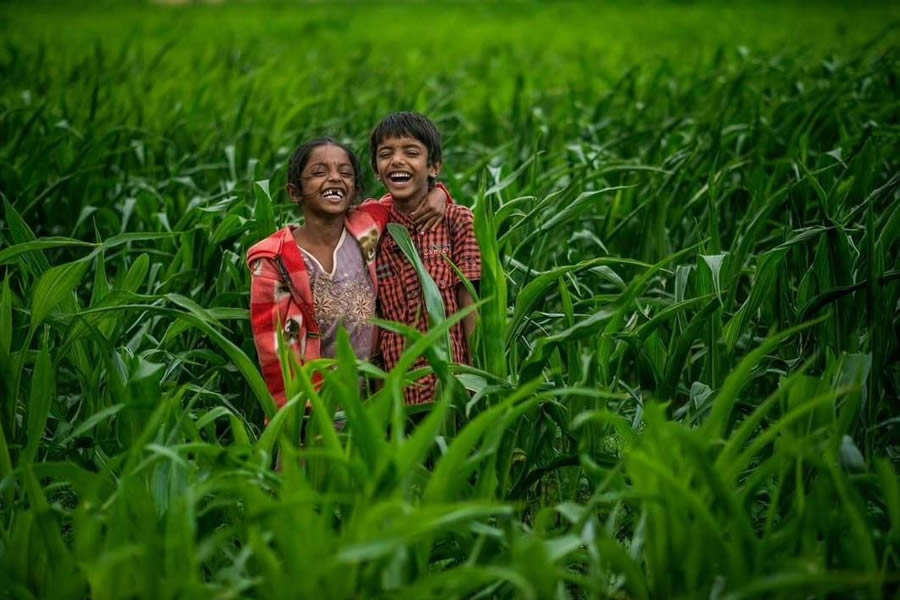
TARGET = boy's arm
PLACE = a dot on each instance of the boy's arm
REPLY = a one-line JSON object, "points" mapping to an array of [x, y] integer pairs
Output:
{"points": [[464, 298], [466, 255], [427, 215]]}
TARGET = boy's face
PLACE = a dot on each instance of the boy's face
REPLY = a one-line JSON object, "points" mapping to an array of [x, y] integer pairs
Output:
{"points": [[402, 164], [328, 181]]}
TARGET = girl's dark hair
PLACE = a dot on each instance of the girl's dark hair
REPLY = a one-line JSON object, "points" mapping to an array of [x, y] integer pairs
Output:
{"points": [[408, 124], [300, 158]]}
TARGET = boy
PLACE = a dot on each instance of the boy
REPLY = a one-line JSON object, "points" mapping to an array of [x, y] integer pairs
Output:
{"points": [[406, 157]]}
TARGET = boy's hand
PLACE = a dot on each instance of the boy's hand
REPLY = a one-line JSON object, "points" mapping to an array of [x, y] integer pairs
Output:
{"points": [[431, 211]]}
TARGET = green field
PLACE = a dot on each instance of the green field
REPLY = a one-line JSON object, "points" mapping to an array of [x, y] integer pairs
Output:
{"points": [[686, 372]]}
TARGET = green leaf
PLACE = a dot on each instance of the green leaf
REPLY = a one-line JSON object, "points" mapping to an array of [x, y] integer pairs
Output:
{"points": [[447, 481], [493, 322], [21, 233], [263, 212], [244, 365], [54, 286], [136, 274], [575, 209], [43, 391], [91, 422], [434, 303], [740, 376], [851, 458], [266, 441], [366, 434], [101, 283], [890, 491], [536, 290], [714, 262], [6, 467], [414, 451], [6, 323], [537, 360], [17, 250], [763, 285], [509, 179]]}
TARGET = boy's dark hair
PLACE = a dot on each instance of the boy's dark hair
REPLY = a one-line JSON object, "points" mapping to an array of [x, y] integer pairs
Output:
{"points": [[409, 124], [300, 158]]}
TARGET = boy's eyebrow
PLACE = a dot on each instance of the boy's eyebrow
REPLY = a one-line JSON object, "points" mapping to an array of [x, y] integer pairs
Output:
{"points": [[409, 144]]}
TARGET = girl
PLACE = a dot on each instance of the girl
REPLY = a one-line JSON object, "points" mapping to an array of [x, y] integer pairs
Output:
{"points": [[313, 278]]}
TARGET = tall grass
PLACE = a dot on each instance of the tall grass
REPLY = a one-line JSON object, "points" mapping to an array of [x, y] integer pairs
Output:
{"points": [[686, 370]]}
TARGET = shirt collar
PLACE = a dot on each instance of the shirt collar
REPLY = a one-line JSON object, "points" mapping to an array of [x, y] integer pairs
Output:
{"points": [[401, 218]]}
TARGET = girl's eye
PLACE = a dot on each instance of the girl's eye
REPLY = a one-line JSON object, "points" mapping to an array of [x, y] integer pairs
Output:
{"points": [[347, 174]]}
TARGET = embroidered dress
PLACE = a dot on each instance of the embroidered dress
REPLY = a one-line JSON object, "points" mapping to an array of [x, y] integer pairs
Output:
{"points": [[400, 294], [345, 296]]}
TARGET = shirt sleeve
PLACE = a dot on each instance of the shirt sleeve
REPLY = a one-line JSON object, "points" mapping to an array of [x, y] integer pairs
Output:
{"points": [[379, 210], [464, 249]]}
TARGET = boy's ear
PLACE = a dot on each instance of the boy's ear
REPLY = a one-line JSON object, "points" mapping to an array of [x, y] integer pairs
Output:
{"points": [[436, 168]]}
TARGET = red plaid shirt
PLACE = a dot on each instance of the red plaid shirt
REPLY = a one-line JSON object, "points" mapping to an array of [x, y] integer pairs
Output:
{"points": [[400, 294]]}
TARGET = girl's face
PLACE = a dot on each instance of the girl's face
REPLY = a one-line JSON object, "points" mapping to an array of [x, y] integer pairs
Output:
{"points": [[328, 181]]}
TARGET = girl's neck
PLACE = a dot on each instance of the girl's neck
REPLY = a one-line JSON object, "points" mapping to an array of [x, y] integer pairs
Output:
{"points": [[323, 231]]}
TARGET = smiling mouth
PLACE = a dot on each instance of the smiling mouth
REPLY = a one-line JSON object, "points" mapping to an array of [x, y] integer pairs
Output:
{"points": [[399, 176], [334, 194]]}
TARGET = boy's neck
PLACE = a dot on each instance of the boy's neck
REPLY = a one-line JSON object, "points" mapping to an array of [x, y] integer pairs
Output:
{"points": [[408, 205]]}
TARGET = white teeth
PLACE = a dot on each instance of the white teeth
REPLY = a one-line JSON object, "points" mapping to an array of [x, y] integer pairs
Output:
{"points": [[400, 175], [333, 193]]}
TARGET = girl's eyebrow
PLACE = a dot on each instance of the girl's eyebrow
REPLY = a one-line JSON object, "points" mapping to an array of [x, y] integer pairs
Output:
{"points": [[325, 164]]}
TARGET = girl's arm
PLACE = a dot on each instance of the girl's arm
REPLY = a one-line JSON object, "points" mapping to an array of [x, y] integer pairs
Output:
{"points": [[269, 307]]}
